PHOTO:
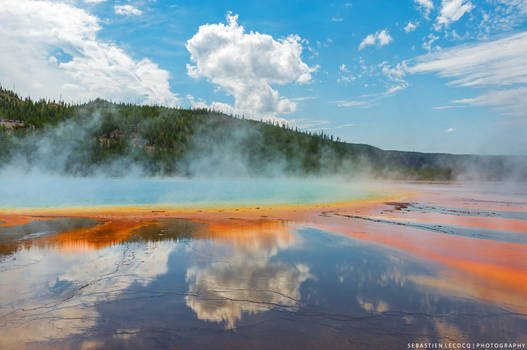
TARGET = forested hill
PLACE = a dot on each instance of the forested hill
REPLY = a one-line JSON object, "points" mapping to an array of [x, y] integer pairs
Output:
{"points": [[103, 136]]}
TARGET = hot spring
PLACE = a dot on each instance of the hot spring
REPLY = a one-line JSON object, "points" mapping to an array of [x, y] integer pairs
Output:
{"points": [[68, 192]]}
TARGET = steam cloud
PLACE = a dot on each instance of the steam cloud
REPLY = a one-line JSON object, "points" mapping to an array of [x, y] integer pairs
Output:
{"points": [[234, 148]]}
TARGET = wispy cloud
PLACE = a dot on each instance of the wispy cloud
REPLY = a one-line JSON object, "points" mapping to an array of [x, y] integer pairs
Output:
{"points": [[505, 15], [447, 107], [425, 5], [127, 10], [348, 125], [452, 11], [345, 77], [498, 62], [337, 19], [510, 101], [304, 98], [320, 125], [394, 89], [428, 42], [395, 75], [351, 103], [308, 124], [498, 65], [391, 76]]}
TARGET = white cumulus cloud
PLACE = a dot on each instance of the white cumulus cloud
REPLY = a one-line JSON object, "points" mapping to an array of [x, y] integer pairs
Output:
{"points": [[380, 38], [50, 49], [411, 26], [245, 65]]}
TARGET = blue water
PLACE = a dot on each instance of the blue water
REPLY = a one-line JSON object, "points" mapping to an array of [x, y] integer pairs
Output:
{"points": [[301, 289], [52, 192]]}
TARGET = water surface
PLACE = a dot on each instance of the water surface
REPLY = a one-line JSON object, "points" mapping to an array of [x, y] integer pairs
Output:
{"points": [[237, 285], [373, 276], [53, 192]]}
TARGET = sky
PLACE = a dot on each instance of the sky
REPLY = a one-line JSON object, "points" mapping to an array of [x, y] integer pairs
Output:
{"points": [[417, 75]]}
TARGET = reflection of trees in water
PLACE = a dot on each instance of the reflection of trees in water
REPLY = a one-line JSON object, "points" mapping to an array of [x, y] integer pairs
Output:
{"points": [[15, 237]]}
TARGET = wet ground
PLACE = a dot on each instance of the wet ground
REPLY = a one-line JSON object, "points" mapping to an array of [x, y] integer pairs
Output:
{"points": [[438, 263]]}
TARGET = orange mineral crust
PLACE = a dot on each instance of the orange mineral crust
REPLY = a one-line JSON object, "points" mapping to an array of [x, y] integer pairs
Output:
{"points": [[15, 219], [119, 224], [284, 212], [487, 270], [494, 223]]}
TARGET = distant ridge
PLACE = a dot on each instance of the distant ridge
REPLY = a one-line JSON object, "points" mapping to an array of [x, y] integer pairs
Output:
{"points": [[202, 142]]}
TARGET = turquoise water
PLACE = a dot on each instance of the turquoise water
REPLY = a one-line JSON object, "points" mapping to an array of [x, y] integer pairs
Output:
{"points": [[50, 192]]}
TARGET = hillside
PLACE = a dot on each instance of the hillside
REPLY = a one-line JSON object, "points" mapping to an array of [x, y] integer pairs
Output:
{"points": [[114, 138]]}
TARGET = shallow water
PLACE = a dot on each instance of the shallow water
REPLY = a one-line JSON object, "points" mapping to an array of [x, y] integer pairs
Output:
{"points": [[43, 227], [53, 192], [331, 281]]}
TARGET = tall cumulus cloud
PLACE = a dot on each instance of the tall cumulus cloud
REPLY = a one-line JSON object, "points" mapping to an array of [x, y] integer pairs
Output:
{"points": [[246, 65]]}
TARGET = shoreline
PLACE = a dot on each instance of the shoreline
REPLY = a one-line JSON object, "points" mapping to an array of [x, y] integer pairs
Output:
{"points": [[15, 216]]}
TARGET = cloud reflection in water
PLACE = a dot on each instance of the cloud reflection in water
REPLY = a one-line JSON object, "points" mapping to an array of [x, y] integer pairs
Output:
{"points": [[249, 282]]}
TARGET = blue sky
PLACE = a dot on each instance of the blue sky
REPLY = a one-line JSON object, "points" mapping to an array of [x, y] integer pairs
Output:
{"points": [[421, 75]]}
